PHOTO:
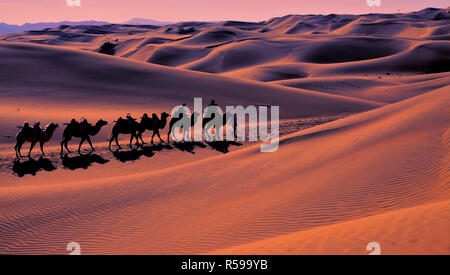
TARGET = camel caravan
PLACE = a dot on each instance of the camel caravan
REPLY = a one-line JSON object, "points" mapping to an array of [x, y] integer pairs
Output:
{"points": [[128, 126], [181, 120]]}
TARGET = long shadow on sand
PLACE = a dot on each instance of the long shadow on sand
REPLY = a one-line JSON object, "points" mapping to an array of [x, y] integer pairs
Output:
{"points": [[223, 146], [82, 161], [135, 154], [32, 166], [188, 146]]}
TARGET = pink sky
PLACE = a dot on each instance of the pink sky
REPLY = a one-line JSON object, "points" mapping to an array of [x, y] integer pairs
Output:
{"points": [[116, 11]]}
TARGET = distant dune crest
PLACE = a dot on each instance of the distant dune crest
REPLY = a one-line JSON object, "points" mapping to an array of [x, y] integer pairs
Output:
{"points": [[282, 48]]}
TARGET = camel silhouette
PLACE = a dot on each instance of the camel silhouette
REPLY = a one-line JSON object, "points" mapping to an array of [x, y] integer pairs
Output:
{"points": [[34, 135], [152, 124], [207, 123], [174, 120], [80, 131], [127, 127]]}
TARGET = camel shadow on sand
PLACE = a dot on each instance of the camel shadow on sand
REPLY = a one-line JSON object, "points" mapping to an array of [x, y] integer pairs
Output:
{"points": [[32, 166], [188, 146], [82, 161], [223, 146], [135, 154]]}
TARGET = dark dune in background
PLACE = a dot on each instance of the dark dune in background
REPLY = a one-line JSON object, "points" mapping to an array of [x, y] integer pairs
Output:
{"points": [[7, 28], [290, 47]]}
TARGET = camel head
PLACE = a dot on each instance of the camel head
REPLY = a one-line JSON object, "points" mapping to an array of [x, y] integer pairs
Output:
{"points": [[164, 115], [49, 130], [51, 127], [101, 123], [163, 120]]}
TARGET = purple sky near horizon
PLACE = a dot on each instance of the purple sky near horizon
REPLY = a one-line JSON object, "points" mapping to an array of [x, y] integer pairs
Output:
{"points": [[117, 11]]}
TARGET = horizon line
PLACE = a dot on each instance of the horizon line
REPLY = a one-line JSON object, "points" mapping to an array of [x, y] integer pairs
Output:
{"points": [[213, 21]]}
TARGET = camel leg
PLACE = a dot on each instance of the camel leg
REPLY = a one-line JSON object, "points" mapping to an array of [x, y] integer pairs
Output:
{"points": [[137, 139], [67, 148], [42, 147], [140, 136], [131, 141], [17, 148], [116, 138], [62, 150], [81, 143], [31, 148], [110, 141], [168, 135], [137, 142], [154, 133], [90, 143], [159, 136], [64, 143]]}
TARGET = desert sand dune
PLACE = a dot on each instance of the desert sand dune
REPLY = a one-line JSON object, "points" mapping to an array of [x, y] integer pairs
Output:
{"points": [[270, 72], [349, 169], [414, 229], [302, 39], [388, 89], [429, 57]]}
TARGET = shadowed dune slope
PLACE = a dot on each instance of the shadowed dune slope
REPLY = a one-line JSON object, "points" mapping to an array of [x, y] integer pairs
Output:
{"points": [[389, 159], [31, 72], [411, 231], [387, 89], [322, 40], [432, 57]]}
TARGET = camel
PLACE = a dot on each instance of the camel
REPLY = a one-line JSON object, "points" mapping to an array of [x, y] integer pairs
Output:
{"points": [[125, 126], [153, 124], [174, 120], [77, 130], [227, 117], [34, 135]]}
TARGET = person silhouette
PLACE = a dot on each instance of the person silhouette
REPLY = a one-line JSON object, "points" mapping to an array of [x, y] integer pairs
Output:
{"points": [[84, 124], [37, 129], [27, 130], [73, 122], [130, 119]]}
